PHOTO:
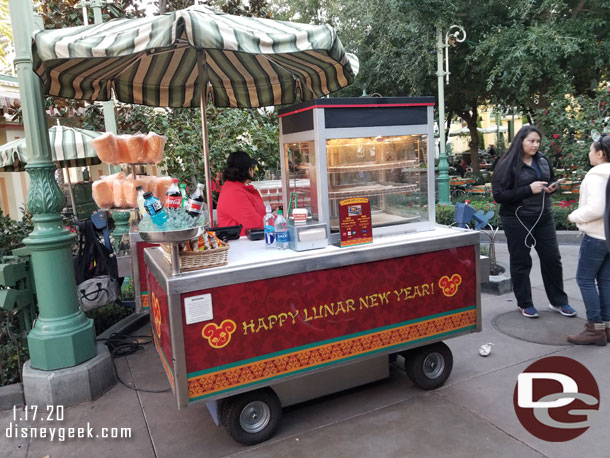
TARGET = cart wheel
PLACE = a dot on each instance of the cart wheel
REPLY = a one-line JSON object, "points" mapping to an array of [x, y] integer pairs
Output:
{"points": [[429, 367], [252, 417]]}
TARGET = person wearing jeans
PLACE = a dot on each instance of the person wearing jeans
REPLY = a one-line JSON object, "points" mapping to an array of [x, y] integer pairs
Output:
{"points": [[522, 183], [593, 271]]}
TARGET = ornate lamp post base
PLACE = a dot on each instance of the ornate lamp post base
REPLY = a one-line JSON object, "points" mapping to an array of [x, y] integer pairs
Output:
{"points": [[62, 335]]}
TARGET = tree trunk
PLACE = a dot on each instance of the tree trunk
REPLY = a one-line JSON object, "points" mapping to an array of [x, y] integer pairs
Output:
{"points": [[471, 121]]}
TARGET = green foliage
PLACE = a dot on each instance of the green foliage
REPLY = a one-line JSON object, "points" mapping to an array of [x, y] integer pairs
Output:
{"points": [[6, 37], [561, 211], [12, 233], [13, 349], [516, 52], [108, 315], [568, 122]]}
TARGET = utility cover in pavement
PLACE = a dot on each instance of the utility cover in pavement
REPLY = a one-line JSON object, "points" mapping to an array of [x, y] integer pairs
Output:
{"points": [[550, 328]]}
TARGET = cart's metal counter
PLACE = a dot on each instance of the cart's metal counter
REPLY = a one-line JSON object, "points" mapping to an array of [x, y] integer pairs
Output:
{"points": [[250, 260]]}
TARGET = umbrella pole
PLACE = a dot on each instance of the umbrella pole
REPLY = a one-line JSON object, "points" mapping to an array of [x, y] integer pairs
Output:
{"points": [[203, 85], [71, 193]]}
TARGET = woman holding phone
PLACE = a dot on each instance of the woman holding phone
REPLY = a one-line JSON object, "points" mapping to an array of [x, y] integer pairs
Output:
{"points": [[593, 272], [522, 182]]}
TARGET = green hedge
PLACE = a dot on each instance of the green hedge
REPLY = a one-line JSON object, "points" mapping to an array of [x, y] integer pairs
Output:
{"points": [[561, 209]]}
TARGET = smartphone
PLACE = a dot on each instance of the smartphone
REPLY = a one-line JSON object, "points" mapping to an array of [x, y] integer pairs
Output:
{"points": [[559, 180]]}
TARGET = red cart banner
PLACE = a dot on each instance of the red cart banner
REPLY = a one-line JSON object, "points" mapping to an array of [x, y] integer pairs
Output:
{"points": [[268, 329], [159, 322]]}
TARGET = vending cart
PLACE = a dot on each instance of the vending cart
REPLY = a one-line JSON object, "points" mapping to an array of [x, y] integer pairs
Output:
{"points": [[272, 328]]}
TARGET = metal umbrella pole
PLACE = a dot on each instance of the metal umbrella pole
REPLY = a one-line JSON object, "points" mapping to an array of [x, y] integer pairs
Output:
{"points": [[203, 90], [70, 191]]}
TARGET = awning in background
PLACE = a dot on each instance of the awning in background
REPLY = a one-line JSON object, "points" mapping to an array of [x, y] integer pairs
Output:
{"points": [[70, 147]]}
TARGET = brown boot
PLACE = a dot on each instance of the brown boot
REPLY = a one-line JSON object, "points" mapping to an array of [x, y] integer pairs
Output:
{"points": [[594, 333], [607, 324]]}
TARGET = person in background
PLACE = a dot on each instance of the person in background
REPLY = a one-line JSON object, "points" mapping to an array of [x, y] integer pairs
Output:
{"points": [[520, 185], [593, 272], [491, 150], [461, 167], [239, 202]]}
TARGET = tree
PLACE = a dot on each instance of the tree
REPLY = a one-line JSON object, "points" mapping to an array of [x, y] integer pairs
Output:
{"points": [[516, 53], [6, 38]]}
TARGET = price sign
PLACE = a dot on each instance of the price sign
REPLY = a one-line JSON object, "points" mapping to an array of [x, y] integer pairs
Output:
{"points": [[355, 221]]}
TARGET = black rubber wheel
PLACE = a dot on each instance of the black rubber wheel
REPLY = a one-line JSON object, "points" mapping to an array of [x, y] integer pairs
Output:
{"points": [[251, 418], [429, 366]]}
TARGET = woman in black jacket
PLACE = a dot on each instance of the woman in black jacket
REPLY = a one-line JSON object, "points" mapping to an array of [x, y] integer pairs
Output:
{"points": [[521, 186]]}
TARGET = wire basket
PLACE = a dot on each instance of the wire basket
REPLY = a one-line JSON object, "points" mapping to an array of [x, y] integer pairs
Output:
{"points": [[196, 260]]}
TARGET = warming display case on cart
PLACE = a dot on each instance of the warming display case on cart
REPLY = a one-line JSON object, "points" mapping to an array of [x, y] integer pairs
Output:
{"points": [[379, 148]]}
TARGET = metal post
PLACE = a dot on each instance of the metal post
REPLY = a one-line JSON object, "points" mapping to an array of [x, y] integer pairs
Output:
{"points": [[442, 45], [62, 336], [443, 165]]}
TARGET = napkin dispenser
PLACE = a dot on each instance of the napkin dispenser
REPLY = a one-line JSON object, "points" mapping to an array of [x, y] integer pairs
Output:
{"points": [[309, 236]]}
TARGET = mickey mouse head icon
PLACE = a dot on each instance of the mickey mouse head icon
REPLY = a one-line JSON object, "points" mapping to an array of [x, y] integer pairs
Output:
{"points": [[449, 285], [219, 336]]}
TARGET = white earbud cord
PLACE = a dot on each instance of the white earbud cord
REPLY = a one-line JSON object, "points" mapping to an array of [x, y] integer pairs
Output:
{"points": [[529, 231]]}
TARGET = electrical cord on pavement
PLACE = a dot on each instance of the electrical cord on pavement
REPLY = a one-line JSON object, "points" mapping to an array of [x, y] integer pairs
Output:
{"points": [[122, 345], [529, 231]]}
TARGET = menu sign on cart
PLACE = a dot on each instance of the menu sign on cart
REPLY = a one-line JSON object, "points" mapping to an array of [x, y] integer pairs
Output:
{"points": [[355, 221]]}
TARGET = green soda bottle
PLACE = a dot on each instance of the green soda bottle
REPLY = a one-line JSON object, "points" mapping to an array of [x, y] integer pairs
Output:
{"points": [[185, 196]]}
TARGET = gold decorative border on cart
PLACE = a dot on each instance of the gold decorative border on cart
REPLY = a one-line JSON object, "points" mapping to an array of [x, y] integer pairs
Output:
{"points": [[205, 385]]}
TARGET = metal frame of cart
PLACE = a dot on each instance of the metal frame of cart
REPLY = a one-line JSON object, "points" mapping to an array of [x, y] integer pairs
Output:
{"points": [[245, 377]]}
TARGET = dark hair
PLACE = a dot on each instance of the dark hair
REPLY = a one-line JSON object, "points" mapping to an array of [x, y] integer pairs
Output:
{"points": [[603, 145], [511, 161], [238, 167]]}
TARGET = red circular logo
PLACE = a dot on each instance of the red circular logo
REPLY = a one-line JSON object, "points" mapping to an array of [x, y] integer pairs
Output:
{"points": [[556, 399]]}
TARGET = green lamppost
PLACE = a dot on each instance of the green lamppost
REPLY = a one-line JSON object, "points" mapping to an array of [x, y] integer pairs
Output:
{"points": [[456, 34], [62, 335]]}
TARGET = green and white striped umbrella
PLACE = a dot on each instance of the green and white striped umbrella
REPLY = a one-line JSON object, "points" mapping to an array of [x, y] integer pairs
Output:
{"points": [[70, 147], [166, 61], [157, 61]]}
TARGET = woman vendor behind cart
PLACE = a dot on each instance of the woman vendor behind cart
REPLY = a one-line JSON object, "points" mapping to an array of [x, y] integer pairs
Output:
{"points": [[239, 202]]}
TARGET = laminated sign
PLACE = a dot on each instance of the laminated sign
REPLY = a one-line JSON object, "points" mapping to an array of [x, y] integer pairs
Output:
{"points": [[355, 221]]}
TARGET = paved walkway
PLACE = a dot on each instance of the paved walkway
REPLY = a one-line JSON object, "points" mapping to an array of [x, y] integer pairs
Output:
{"points": [[471, 416]]}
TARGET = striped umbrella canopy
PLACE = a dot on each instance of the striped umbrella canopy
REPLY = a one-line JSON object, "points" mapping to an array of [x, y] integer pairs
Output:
{"points": [[155, 61], [168, 60], [70, 147]]}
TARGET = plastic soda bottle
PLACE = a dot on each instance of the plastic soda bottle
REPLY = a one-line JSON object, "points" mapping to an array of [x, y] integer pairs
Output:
{"points": [[140, 201], [173, 199], [269, 226], [185, 196], [281, 231], [194, 206], [155, 209]]}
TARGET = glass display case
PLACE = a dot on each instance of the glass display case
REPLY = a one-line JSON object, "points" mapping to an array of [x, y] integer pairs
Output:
{"points": [[378, 148], [386, 169]]}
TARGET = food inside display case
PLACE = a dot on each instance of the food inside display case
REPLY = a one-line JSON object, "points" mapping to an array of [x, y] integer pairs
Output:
{"points": [[391, 171], [302, 176]]}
